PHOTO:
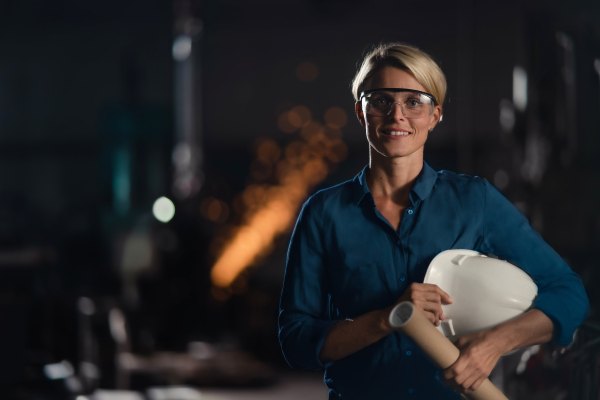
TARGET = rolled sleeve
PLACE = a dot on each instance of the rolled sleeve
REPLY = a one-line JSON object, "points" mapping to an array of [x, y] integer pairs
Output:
{"points": [[303, 311], [561, 295]]}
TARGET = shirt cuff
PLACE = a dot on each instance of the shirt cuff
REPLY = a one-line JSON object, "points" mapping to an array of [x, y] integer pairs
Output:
{"points": [[557, 311], [302, 344]]}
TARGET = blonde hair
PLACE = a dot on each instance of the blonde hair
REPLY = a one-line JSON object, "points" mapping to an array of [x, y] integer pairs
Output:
{"points": [[405, 57]]}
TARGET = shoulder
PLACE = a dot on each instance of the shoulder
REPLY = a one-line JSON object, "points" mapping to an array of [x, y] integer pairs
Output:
{"points": [[460, 183], [471, 190], [335, 193], [331, 197], [449, 176]]}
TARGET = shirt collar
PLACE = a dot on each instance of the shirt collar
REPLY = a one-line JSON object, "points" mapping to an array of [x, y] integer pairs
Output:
{"points": [[422, 188]]}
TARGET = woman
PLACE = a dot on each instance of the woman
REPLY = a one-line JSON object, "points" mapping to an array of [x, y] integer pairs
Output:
{"points": [[361, 247]]}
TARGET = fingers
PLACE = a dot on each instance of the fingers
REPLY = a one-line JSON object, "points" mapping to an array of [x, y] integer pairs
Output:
{"points": [[454, 370], [428, 287], [445, 297], [428, 298], [431, 317], [431, 309], [458, 381], [464, 376], [477, 383], [465, 385]]}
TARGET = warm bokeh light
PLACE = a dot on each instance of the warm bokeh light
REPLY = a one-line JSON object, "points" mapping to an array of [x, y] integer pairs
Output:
{"points": [[307, 71], [332, 133], [311, 129], [268, 150], [336, 117], [338, 151], [290, 121], [163, 209], [269, 210], [283, 123], [299, 116], [214, 210]]}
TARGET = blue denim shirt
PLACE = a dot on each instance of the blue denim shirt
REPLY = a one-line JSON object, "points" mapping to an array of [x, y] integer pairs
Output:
{"points": [[345, 260]]}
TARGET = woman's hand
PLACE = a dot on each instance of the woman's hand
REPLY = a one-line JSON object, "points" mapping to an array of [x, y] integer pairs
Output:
{"points": [[428, 299], [479, 353]]}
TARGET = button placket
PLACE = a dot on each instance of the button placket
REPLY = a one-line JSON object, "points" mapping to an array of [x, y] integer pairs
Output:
{"points": [[405, 227]]}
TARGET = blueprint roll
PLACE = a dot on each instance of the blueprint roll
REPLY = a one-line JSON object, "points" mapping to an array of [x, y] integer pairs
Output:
{"points": [[435, 345]]}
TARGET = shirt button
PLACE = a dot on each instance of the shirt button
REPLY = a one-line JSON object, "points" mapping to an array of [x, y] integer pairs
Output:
{"points": [[408, 353], [402, 278], [411, 390], [410, 211]]}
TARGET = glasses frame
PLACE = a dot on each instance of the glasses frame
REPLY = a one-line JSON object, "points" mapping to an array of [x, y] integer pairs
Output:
{"points": [[397, 90]]}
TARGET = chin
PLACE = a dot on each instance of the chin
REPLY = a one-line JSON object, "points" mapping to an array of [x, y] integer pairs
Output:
{"points": [[391, 152]]}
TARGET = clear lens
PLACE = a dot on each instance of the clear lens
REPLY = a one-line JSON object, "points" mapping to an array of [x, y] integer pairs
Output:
{"points": [[412, 105]]}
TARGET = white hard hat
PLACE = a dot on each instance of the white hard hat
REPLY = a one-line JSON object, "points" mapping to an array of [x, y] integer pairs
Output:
{"points": [[486, 291]]}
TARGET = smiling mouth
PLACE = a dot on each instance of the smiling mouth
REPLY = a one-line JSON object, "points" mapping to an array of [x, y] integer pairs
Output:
{"points": [[396, 133]]}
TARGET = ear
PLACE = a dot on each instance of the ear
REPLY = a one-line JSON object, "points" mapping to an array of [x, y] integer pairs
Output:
{"points": [[435, 117], [359, 113]]}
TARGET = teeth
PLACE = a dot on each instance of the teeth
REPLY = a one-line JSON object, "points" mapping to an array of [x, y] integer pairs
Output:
{"points": [[398, 133]]}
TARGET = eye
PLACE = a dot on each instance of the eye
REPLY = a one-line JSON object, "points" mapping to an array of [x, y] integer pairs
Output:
{"points": [[413, 103], [379, 101]]}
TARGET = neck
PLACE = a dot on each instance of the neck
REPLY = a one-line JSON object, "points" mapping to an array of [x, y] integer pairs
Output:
{"points": [[393, 177]]}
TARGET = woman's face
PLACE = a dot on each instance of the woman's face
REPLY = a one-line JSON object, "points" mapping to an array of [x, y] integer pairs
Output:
{"points": [[394, 135]]}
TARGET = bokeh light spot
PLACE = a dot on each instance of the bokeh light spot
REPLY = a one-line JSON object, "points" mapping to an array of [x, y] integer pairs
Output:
{"points": [[311, 130], [182, 47], [299, 116], [337, 151], [297, 152], [336, 117], [268, 151], [268, 209], [163, 209], [283, 123], [294, 119], [333, 133], [307, 71], [214, 210]]}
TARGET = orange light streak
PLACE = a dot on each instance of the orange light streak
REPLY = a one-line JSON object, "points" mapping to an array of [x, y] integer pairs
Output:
{"points": [[271, 210]]}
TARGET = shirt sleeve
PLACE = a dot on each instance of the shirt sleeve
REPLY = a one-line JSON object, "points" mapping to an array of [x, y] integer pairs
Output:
{"points": [[303, 310], [561, 295]]}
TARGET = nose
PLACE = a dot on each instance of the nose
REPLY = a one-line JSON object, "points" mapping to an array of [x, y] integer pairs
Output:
{"points": [[396, 111]]}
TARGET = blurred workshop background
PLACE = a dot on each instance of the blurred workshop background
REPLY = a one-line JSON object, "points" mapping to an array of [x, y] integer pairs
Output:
{"points": [[154, 156]]}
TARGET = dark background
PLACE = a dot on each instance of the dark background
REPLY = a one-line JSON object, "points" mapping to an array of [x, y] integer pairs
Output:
{"points": [[87, 85]]}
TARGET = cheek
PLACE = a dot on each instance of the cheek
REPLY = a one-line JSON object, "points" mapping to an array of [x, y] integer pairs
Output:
{"points": [[421, 126], [370, 127]]}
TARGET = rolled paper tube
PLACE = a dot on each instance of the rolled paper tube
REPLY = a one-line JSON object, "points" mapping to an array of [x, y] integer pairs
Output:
{"points": [[436, 346]]}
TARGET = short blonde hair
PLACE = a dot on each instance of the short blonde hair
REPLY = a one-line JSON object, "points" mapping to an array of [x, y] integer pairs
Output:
{"points": [[408, 58]]}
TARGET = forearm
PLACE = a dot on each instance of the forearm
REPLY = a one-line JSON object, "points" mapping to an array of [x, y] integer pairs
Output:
{"points": [[349, 336], [480, 351], [533, 327]]}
